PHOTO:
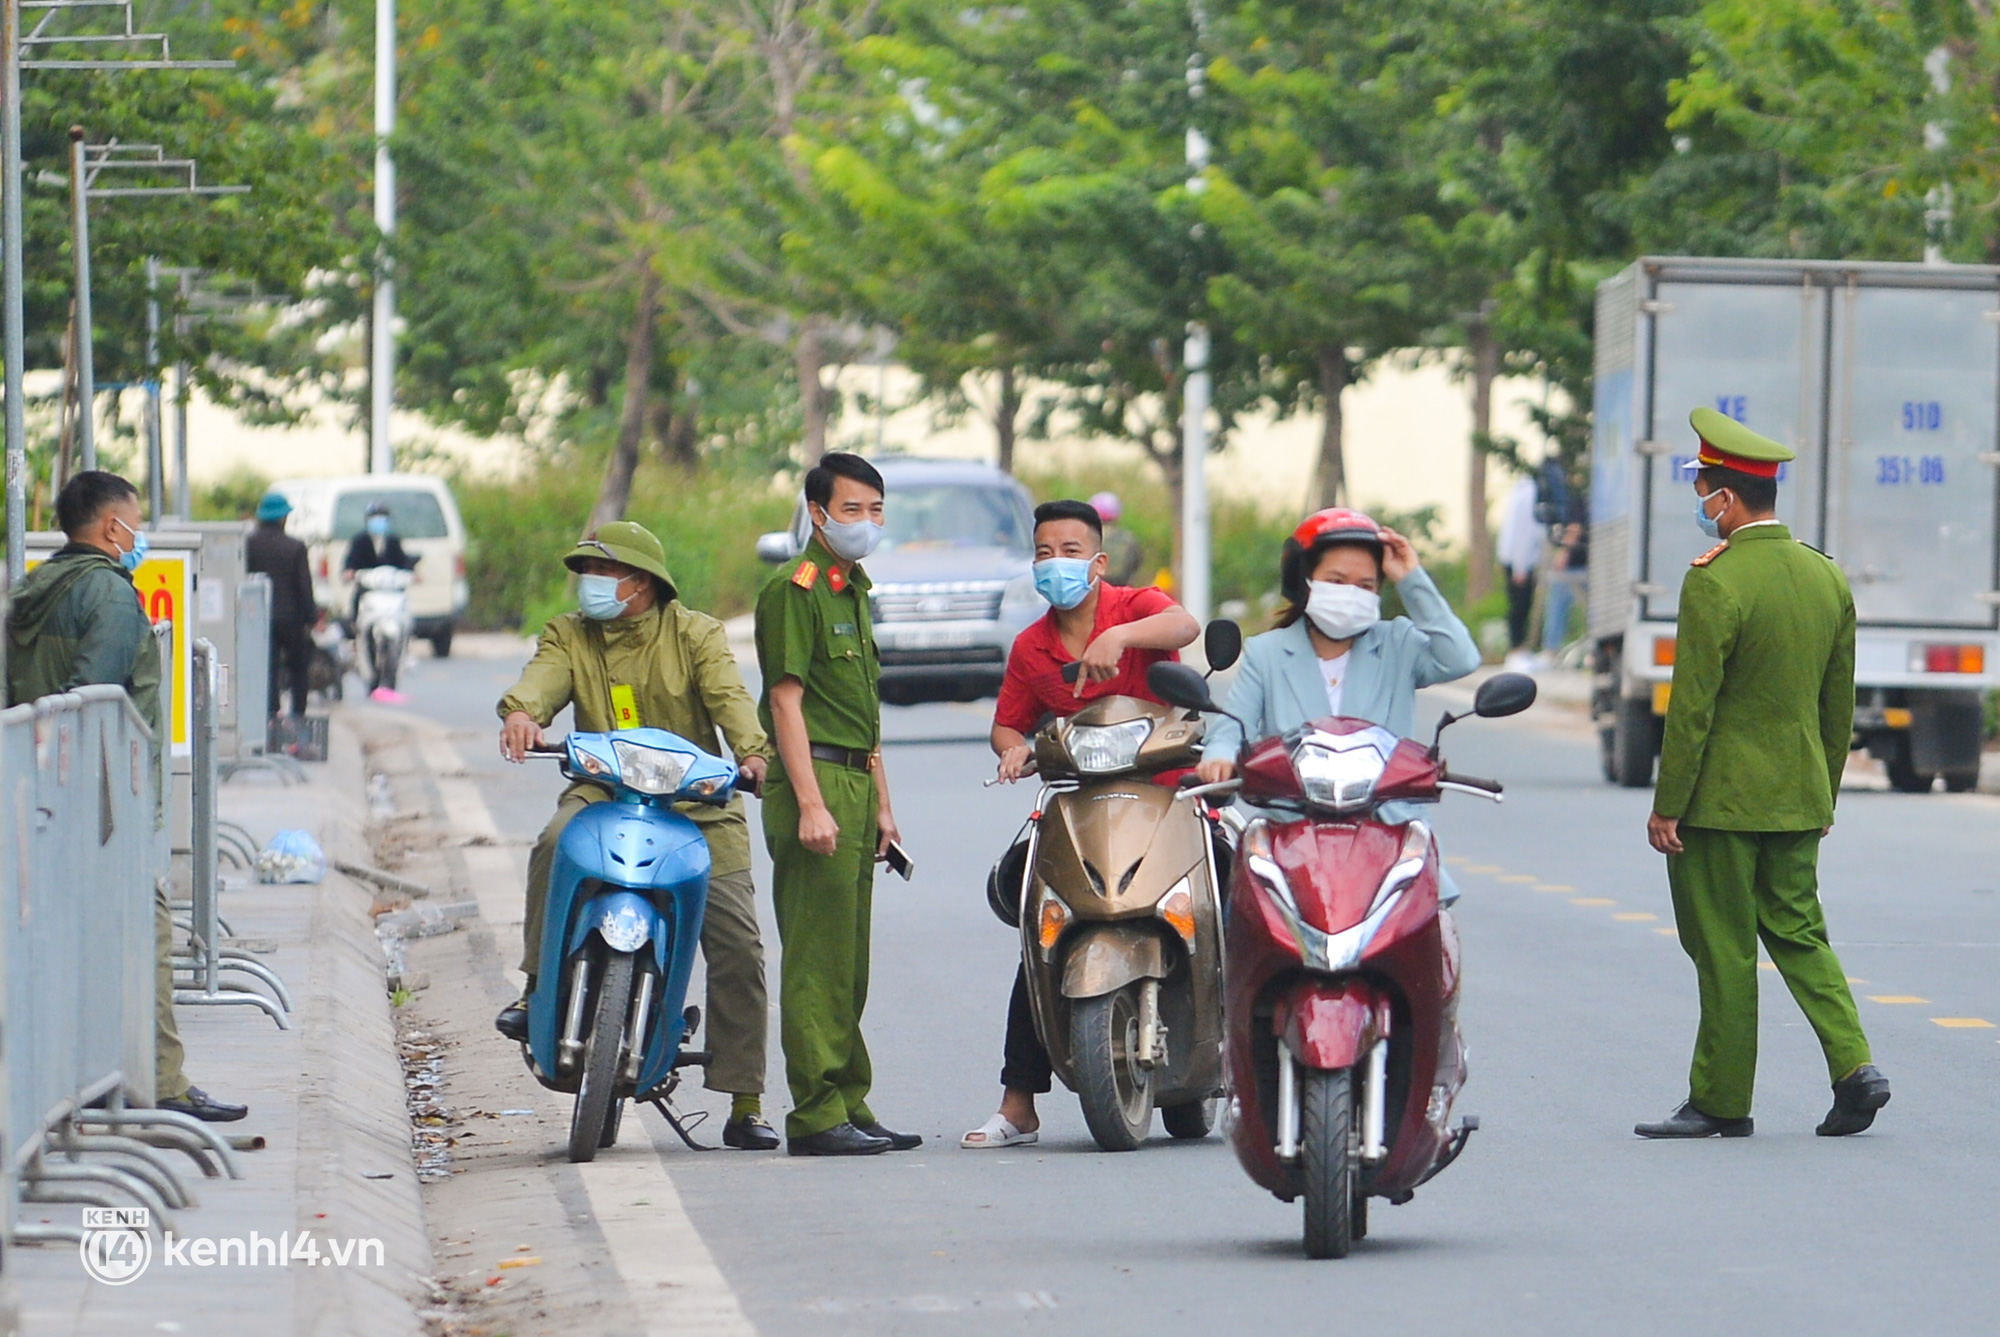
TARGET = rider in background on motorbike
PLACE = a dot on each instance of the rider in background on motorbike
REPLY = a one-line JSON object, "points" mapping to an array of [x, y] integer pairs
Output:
{"points": [[1332, 654], [1116, 634], [376, 545], [633, 656]]}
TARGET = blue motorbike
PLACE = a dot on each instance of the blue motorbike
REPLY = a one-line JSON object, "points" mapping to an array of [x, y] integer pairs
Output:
{"points": [[626, 896]]}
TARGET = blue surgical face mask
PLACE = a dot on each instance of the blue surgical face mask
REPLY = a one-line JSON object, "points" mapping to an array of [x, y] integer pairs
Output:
{"points": [[130, 560], [850, 540], [598, 597], [378, 526], [1710, 527], [1064, 581]]}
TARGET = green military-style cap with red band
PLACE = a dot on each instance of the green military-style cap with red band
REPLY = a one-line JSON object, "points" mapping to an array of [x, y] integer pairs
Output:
{"points": [[1728, 444]]}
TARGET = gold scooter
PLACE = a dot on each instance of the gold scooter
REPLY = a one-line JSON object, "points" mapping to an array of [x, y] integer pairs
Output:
{"points": [[1116, 891]]}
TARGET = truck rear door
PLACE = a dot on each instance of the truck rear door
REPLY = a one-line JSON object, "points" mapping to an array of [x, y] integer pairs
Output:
{"points": [[1915, 416], [1750, 349]]}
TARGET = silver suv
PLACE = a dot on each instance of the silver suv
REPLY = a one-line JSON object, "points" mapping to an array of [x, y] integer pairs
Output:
{"points": [[953, 579]]}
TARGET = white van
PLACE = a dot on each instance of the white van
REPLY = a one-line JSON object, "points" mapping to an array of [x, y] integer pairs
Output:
{"points": [[328, 512]]}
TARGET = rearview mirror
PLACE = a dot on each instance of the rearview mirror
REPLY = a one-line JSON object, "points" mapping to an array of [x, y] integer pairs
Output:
{"points": [[1179, 685], [1221, 644], [776, 547], [1503, 694]]}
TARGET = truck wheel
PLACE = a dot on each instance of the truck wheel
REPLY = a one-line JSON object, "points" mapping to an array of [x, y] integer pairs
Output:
{"points": [[1190, 1120], [597, 1092], [1326, 1136], [1635, 741], [1116, 1093], [1904, 777], [441, 643], [1960, 782]]}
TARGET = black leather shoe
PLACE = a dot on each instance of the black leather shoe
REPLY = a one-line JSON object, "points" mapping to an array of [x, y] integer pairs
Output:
{"points": [[843, 1139], [1856, 1097], [750, 1133], [513, 1021], [198, 1103], [1687, 1121], [897, 1141]]}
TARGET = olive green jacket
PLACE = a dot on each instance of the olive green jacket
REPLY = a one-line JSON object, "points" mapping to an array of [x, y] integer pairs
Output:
{"points": [[1763, 699], [682, 677], [77, 621]]}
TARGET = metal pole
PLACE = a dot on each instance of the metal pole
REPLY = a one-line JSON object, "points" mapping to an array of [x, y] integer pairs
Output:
{"points": [[156, 483], [181, 410], [1937, 201], [382, 352], [86, 380], [1194, 476], [10, 260]]}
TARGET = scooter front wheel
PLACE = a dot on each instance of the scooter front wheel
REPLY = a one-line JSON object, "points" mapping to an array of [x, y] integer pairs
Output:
{"points": [[597, 1093], [1115, 1090], [1327, 1160]]}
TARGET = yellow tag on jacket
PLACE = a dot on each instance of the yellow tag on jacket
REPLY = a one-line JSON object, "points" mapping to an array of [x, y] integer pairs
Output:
{"points": [[624, 709]]}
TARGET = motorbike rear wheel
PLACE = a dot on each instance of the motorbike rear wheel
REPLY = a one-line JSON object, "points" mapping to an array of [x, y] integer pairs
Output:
{"points": [[597, 1093], [386, 663], [1189, 1120], [1327, 1160], [1116, 1093]]}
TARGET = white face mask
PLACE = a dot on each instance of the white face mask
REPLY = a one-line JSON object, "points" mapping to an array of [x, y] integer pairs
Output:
{"points": [[1342, 612]]}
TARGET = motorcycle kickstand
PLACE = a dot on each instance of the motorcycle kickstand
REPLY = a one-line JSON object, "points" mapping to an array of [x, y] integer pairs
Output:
{"points": [[680, 1123]]}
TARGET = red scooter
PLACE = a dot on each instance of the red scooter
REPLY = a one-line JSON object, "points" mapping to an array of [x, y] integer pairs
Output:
{"points": [[1340, 970]]}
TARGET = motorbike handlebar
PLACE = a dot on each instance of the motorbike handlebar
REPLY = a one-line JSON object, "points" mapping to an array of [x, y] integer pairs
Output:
{"points": [[1472, 784]]}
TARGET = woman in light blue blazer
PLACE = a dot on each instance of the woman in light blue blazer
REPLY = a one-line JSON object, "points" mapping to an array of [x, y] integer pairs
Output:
{"points": [[1331, 653]]}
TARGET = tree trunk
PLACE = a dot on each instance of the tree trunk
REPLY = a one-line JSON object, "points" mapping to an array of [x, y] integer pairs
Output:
{"points": [[1175, 477], [1485, 370], [616, 491], [1329, 486], [808, 360], [1005, 415]]}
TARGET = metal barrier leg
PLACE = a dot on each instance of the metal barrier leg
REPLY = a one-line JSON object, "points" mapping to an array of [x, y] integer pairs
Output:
{"points": [[173, 1139], [124, 1181], [164, 1119], [249, 965], [146, 1163]]}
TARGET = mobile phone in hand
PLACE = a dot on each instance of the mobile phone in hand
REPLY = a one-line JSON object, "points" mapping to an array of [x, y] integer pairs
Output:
{"points": [[899, 861]]}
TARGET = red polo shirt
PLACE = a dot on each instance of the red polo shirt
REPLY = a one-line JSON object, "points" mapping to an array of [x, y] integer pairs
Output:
{"points": [[1034, 686]]}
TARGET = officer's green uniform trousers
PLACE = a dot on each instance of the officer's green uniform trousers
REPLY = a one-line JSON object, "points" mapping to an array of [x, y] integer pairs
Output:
{"points": [[823, 903], [738, 1010], [1732, 889], [1755, 742]]}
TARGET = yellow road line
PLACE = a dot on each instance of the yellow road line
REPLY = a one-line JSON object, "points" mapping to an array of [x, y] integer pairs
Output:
{"points": [[1454, 859], [1668, 932], [1553, 886], [1765, 965], [1634, 917], [1482, 868], [1852, 980], [1592, 900], [1896, 998], [1962, 1023], [1517, 877]]}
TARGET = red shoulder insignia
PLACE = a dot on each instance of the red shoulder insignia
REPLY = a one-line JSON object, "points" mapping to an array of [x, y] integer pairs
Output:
{"points": [[834, 580], [1711, 554], [807, 573]]}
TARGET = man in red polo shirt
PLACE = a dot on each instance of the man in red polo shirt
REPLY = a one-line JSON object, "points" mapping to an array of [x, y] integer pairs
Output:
{"points": [[1117, 634]]}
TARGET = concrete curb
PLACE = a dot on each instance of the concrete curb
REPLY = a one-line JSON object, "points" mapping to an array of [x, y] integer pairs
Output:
{"points": [[353, 1119]]}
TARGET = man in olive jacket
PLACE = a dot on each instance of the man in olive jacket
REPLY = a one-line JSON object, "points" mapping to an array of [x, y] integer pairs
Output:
{"points": [[634, 656], [1756, 738], [77, 621]]}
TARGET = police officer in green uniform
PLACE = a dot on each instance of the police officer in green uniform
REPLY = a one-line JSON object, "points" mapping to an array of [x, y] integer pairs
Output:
{"points": [[1756, 737], [826, 813]]}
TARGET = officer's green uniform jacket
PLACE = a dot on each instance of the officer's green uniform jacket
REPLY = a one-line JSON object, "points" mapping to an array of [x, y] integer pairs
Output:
{"points": [[821, 635], [1763, 697], [77, 621], [682, 678]]}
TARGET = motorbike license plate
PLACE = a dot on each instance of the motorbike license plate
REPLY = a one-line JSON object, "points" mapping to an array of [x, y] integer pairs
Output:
{"points": [[927, 638]]}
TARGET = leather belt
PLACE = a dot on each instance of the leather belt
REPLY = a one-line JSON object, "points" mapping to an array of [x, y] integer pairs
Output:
{"points": [[855, 759]]}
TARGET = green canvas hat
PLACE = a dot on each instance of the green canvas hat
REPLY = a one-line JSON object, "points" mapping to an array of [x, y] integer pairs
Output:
{"points": [[1728, 444], [627, 542]]}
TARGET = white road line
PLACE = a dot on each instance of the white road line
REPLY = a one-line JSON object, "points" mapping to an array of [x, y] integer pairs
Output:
{"points": [[667, 1269]]}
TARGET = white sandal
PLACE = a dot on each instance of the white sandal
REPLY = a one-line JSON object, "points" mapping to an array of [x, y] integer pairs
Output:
{"points": [[997, 1132]]}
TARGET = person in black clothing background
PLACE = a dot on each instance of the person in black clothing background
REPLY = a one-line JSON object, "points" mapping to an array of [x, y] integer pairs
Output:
{"points": [[376, 545], [294, 611]]}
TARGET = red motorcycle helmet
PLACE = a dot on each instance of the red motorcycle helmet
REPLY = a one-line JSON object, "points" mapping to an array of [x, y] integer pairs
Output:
{"points": [[1316, 533]]}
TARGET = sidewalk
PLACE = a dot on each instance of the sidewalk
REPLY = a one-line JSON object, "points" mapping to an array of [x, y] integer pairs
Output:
{"points": [[327, 1097]]}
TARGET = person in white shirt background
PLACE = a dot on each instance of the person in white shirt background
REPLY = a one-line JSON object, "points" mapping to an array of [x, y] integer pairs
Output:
{"points": [[1520, 553]]}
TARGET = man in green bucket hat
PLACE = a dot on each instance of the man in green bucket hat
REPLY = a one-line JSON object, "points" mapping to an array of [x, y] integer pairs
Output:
{"points": [[633, 656]]}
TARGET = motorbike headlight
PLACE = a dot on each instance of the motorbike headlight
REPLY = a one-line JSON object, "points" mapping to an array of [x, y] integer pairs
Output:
{"points": [[1339, 781], [623, 928], [650, 770], [1100, 748]]}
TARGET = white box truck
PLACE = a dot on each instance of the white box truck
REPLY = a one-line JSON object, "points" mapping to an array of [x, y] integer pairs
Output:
{"points": [[1885, 378]]}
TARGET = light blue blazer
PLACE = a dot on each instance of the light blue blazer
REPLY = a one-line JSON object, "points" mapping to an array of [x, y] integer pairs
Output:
{"points": [[1279, 686]]}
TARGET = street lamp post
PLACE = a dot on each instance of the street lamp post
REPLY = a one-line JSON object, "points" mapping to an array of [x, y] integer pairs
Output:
{"points": [[86, 374], [382, 342], [1195, 562]]}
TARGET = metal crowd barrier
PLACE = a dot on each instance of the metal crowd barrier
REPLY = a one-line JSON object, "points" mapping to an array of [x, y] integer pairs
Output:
{"points": [[205, 959], [78, 864]]}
